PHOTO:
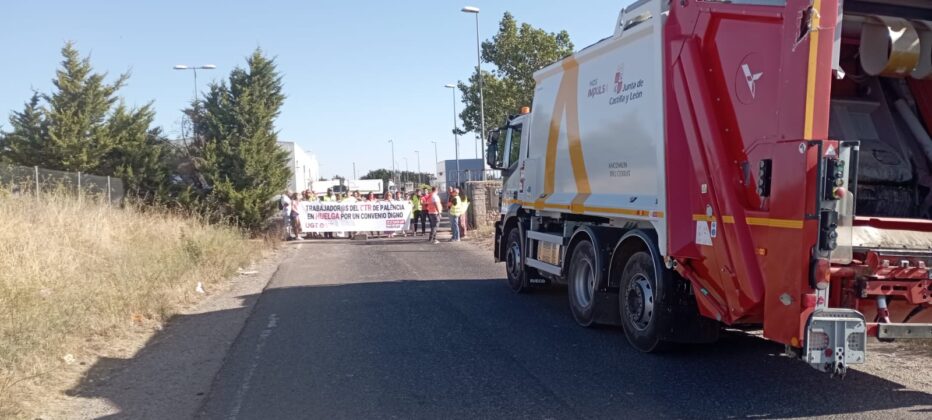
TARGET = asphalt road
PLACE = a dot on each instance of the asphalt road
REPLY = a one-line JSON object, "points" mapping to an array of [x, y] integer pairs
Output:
{"points": [[405, 329]]}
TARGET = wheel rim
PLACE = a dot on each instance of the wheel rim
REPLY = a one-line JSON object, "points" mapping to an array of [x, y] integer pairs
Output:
{"points": [[584, 284], [640, 299], [513, 260]]}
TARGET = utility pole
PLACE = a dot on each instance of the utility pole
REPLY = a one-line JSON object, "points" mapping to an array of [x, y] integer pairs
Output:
{"points": [[354, 170]]}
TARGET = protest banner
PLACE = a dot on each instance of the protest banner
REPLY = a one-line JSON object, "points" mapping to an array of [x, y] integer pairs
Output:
{"points": [[370, 216]]}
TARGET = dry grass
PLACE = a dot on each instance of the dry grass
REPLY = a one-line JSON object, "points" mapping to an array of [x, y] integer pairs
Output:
{"points": [[72, 273]]}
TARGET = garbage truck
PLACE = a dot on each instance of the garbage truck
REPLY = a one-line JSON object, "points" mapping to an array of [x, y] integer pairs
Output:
{"points": [[761, 164]]}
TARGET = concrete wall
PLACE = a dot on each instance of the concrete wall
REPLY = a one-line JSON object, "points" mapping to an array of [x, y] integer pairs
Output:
{"points": [[485, 205]]}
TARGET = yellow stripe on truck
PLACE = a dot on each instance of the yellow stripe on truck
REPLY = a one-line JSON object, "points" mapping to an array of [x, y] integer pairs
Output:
{"points": [[566, 104], [813, 68]]}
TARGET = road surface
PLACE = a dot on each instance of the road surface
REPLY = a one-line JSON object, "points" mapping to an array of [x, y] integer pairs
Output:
{"points": [[405, 329]]}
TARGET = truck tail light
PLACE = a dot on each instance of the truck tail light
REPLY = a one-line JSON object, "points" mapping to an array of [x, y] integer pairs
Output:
{"points": [[821, 273]]}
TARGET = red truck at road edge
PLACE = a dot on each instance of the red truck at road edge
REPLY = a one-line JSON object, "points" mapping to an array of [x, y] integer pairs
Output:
{"points": [[746, 163]]}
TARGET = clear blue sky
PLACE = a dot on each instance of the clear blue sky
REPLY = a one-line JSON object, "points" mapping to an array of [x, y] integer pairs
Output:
{"points": [[356, 73]]}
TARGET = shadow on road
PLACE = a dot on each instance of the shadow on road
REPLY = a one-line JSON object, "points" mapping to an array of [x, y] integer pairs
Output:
{"points": [[471, 348], [145, 385]]}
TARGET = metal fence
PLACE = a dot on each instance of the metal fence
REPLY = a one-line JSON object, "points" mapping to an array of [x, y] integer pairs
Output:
{"points": [[21, 180]]}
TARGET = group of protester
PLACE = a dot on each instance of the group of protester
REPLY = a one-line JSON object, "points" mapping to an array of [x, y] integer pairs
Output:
{"points": [[427, 208]]}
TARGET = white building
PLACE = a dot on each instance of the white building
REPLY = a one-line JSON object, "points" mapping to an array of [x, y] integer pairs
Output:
{"points": [[304, 166]]}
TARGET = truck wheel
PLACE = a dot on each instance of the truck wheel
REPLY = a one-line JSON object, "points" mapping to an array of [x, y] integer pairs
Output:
{"points": [[639, 303], [582, 283], [513, 262]]}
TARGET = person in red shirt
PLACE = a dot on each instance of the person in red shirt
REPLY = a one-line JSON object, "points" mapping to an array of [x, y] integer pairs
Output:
{"points": [[433, 206]]}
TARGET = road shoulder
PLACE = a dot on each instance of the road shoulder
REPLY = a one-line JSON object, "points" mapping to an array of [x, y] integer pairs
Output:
{"points": [[166, 372]]}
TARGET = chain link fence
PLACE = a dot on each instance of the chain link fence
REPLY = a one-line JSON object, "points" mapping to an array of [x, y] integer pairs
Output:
{"points": [[23, 181]]}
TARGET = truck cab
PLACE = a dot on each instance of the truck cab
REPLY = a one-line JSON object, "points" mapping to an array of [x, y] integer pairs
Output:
{"points": [[507, 151]]}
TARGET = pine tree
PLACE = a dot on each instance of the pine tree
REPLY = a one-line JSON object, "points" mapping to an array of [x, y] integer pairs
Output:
{"points": [[140, 154], [83, 126], [23, 145], [78, 136], [237, 150]]}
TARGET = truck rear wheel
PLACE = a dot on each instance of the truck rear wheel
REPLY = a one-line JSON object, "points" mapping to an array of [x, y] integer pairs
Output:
{"points": [[514, 263], [582, 283], [640, 304]]}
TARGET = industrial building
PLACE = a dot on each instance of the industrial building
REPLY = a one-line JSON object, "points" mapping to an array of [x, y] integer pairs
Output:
{"points": [[304, 166]]}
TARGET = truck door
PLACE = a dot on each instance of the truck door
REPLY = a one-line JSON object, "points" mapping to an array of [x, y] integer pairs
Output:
{"points": [[513, 150]]}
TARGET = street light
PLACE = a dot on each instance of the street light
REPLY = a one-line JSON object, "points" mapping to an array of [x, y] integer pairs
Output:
{"points": [[456, 137], [475, 10], [193, 117], [393, 159], [436, 161], [194, 69], [418, 169]]}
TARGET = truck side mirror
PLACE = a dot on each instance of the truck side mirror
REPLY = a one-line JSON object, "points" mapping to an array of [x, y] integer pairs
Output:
{"points": [[492, 150]]}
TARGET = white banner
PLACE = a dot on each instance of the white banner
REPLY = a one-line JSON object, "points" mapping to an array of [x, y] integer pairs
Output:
{"points": [[366, 216]]}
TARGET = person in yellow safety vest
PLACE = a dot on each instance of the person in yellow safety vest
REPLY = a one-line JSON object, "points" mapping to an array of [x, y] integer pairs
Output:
{"points": [[456, 213], [416, 213]]}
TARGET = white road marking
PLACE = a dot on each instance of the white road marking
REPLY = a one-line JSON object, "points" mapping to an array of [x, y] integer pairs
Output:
{"points": [[251, 371]]}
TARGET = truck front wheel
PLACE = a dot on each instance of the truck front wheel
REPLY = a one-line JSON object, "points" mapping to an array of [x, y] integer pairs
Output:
{"points": [[640, 303], [514, 263], [582, 282]]}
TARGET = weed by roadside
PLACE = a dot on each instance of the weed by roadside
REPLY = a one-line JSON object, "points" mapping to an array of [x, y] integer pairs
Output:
{"points": [[76, 271]]}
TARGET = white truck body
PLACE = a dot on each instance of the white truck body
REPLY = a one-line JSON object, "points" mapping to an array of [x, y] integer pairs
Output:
{"points": [[366, 186], [321, 187], [611, 95]]}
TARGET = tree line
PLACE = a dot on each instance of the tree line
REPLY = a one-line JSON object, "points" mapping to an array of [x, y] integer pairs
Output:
{"points": [[228, 167]]}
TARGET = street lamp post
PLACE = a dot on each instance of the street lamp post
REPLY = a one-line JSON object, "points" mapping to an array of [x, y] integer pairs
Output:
{"points": [[436, 161], [475, 11], [393, 159], [418, 169], [456, 137], [194, 69]]}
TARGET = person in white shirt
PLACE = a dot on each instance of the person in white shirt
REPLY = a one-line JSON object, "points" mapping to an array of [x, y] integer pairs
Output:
{"points": [[285, 205], [433, 206]]}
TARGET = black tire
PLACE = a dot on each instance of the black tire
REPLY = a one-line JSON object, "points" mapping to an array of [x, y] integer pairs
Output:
{"points": [[641, 304], [514, 266], [582, 283]]}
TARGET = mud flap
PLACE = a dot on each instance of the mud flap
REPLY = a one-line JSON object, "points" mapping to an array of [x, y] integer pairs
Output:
{"points": [[835, 339]]}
